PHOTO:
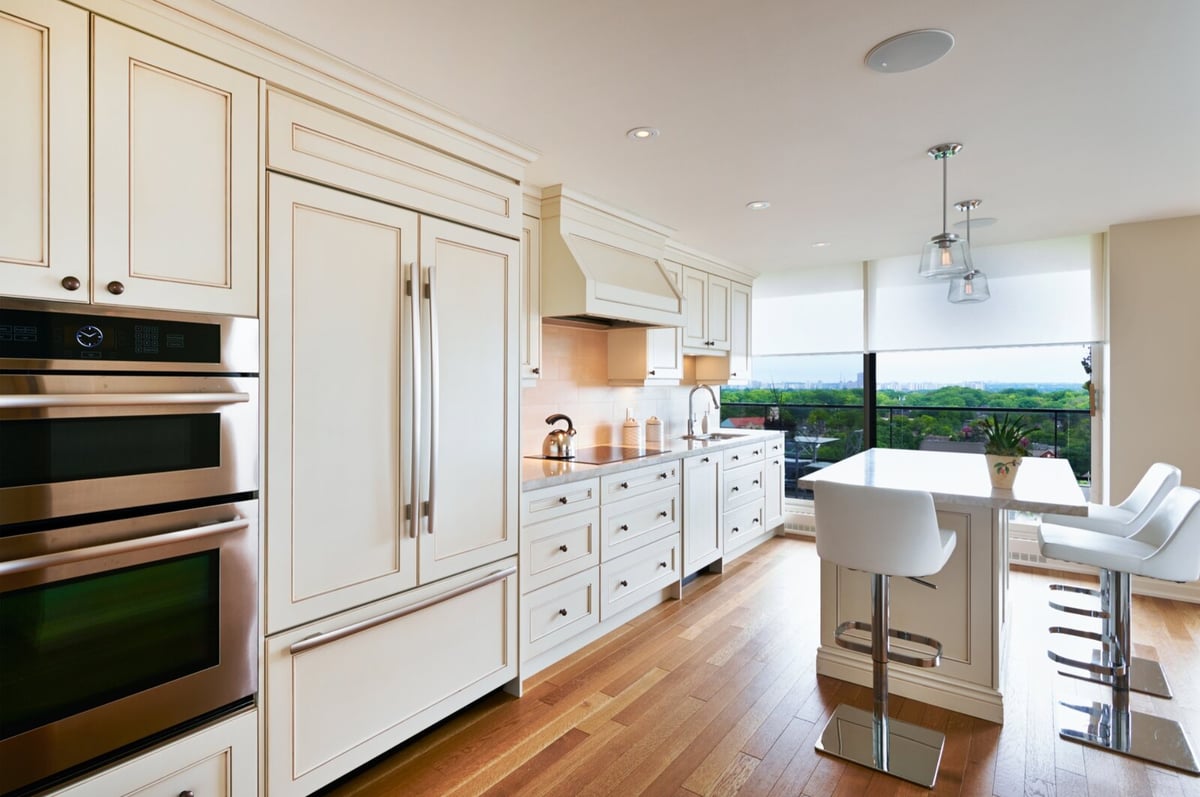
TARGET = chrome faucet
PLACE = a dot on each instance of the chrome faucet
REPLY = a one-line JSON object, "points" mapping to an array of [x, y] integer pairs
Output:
{"points": [[692, 409]]}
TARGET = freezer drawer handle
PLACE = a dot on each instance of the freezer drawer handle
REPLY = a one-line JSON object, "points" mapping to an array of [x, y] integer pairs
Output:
{"points": [[317, 640], [46, 400]]}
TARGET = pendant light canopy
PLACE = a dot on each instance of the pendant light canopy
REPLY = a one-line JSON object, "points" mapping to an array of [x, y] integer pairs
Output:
{"points": [[946, 255], [972, 286]]}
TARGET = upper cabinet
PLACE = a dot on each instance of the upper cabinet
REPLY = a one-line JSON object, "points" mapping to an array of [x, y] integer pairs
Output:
{"points": [[175, 177], [733, 369], [174, 167], [43, 163], [531, 285], [707, 327]]}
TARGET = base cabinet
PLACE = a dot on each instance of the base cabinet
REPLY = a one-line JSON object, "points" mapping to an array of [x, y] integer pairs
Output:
{"points": [[220, 760], [701, 511], [341, 691], [773, 484]]}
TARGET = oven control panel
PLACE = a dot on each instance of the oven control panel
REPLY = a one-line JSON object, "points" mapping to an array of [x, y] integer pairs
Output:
{"points": [[40, 335]]}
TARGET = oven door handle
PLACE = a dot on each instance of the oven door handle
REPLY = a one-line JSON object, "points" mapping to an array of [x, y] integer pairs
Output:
{"points": [[44, 561], [47, 400]]}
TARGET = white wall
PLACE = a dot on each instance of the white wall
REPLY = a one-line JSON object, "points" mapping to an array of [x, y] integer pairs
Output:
{"points": [[1153, 375], [575, 382]]}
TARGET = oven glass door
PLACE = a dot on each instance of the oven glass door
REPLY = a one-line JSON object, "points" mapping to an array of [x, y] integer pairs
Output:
{"points": [[74, 444], [117, 631]]}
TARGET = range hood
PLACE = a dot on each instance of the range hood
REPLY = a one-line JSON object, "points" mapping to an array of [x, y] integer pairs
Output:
{"points": [[602, 267]]}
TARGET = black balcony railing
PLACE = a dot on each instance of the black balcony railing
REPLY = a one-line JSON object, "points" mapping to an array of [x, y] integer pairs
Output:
{"points": [[817, 435]]}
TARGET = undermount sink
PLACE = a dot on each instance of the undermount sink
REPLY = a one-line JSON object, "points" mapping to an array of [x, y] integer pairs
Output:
{"points": [[713, 436]]}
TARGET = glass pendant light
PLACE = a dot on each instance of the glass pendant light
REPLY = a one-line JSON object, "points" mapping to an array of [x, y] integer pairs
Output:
{"points": [[972, 286], [946, 255]]}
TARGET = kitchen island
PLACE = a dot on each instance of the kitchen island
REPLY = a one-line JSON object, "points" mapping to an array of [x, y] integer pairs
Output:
{"points": [[968, 612]]}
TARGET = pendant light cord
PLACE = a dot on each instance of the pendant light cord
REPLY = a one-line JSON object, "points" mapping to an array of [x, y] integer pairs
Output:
{"points": [[944, 159]]}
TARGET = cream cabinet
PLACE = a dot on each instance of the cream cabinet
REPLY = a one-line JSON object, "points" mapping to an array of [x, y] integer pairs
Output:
{"points": [[701, 511], [734, 368], [707, 327], [773, 483], [648, 356], [374, 363], [344, 689], [220, 760], [44, 159], [743, 519], [531, 292], [174, 167]]}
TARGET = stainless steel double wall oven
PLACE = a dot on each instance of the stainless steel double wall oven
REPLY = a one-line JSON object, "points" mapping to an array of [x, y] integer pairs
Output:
{"points": [[128, 531]]}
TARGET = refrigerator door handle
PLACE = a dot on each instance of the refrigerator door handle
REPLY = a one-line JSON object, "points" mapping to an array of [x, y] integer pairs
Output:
{"points": [[432, 447], [413, 512]]}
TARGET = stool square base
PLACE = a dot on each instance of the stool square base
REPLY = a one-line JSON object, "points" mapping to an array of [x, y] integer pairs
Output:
{"points": [[1131, 733], [913, 753]]}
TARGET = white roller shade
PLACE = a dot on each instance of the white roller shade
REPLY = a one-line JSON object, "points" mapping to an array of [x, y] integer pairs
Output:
{"points": [[1043, 292], [817, 311]]}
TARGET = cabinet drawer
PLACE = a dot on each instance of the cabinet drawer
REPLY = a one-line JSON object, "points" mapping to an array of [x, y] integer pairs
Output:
{"points": [[742, 525], [744, 454], [633, 523], [343, 690], [639, 573], [743, 485], [638, 481], [561, 499], [312, 141], [774, 447], [557, 548], [558, 612]]}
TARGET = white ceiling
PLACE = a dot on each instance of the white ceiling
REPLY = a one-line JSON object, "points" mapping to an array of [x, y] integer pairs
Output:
{"points": [[1073, 114]]}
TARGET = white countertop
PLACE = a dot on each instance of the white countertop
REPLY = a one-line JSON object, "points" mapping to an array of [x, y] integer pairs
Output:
{"points": [[1042, 484], [537, 473]]}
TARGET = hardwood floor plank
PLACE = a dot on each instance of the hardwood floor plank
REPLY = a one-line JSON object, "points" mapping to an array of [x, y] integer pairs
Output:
{"points": [[514, 783], [776, 759], [732, 779]]}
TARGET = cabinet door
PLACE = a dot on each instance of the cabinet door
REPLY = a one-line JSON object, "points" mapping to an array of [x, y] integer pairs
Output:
{"points": [[531, 292], [470, 398], [175, 177], [773, 488], [43, 162], [701, 511], [338, 445], [664, 347], [717, 314], [739, 333], [695, 296]]}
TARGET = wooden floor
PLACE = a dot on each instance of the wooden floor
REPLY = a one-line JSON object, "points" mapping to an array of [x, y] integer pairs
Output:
{"points": [[716, 694]]}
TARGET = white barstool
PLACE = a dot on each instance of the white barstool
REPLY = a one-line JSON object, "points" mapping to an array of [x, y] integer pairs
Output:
{"points": [[887, 533], [1122, 520], [1167, 547]]}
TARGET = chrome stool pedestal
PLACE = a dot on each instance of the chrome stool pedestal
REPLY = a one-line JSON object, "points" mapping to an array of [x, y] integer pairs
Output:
{"points": [[873, 739]]}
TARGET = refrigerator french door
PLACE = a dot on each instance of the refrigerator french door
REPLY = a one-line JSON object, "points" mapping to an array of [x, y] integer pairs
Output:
{"points": [[392, 400]]}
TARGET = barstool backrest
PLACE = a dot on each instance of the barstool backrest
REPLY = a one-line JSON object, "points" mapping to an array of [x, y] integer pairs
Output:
{"points": [[1174, 531], [878, 529], [1159, 479]]}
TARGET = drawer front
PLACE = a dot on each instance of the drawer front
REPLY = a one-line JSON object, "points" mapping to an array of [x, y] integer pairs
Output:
{"points": [[558, 548], [343, 690], [630, 524], [638, 481], [744, 454], [635, 575], [743, 485], [774, 447], [309, 140], [563, 499], [558, 612], [742, 525]]}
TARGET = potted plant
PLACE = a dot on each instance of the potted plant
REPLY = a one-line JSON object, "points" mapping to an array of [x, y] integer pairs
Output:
{"points": [[1006, 440]]}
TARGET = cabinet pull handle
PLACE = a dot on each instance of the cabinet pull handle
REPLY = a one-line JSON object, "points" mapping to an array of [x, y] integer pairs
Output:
{"points": [[662, 513], [662, 475], [624, 527], [624, 485], [537, 370], [662, 564], [735, 488], [319, 639], [563, 612], [562, 500], [754, 522], [624, 583], [704, 459], [735, 457], [756, 453], [562, 548], [653, 373], [116, 288], [735, 530], [734, 373], [187, 793], [755, 482], [71, 283]]}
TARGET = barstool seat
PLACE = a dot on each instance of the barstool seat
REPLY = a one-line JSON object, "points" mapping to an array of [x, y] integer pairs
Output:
{"points": [[1166, 547], [885, 532], [1122, 520]]}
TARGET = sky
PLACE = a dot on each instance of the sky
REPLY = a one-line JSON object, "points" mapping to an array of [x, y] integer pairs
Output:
{"points": [[951, 366]]}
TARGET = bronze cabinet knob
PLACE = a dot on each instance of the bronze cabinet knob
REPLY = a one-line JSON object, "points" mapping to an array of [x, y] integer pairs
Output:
{"points": [[562, 548], [71, 283], [563, 612], [116, 288], [624, 583]]}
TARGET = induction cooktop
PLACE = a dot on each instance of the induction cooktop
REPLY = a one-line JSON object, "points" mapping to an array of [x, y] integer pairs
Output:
{"points": [[603, 455]]}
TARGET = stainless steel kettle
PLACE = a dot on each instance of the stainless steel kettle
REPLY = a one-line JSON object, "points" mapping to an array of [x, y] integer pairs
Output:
{"points": [[559, 443]]}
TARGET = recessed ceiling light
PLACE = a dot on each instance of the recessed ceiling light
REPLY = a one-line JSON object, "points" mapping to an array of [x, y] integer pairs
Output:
{"points": [[986, 221], [758, 204], [909, 51], [642, 133], [821, 244]]}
